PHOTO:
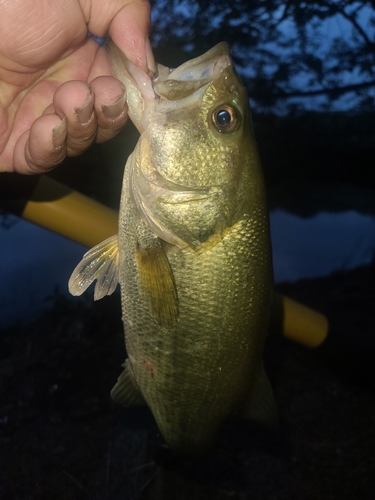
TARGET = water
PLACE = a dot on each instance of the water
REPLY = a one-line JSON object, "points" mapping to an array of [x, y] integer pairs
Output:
{"points": [[317, 246], [34, 261]]}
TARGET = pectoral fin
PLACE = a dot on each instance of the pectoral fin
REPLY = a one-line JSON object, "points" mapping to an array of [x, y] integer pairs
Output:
{"points": [[156, 278], [101, 264], [261, 405], [125, 392]]}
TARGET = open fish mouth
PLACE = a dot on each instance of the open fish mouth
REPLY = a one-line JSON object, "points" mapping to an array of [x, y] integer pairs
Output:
{"points": [[205, 66], [180, 82], [185, 79]]}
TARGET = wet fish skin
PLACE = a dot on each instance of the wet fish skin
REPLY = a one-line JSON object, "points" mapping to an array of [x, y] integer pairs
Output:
{"points": [[193, 257]]}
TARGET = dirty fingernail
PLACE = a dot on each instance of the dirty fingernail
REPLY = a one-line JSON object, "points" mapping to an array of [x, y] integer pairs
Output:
{"points": [[85, 112], [113, 111], [59, 133]]}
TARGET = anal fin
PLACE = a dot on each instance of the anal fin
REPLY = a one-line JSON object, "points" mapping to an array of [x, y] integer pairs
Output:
{"points": [[156, 278], [261, 406], [125, 392]]}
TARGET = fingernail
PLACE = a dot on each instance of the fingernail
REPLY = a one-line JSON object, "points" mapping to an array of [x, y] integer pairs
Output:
{"points": [[85, 112], [113, 111], [151, 66], [59, 133]]}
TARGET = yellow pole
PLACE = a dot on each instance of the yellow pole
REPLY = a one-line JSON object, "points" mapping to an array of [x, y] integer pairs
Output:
{"points": [[298, 322], [69, 213]]}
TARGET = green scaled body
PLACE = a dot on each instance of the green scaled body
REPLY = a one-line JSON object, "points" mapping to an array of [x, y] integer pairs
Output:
{"points": [[192, 254]]}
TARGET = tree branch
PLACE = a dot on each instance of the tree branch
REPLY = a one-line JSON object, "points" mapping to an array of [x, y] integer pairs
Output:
{"points": [[354, 22], [332, 91]]}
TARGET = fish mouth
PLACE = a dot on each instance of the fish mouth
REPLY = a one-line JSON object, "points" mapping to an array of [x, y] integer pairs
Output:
{"points": [[184, 80], [206, 66], [192, 75]]}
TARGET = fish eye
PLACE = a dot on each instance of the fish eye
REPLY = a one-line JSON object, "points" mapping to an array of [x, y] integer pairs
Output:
{"points": [[225, 118]]}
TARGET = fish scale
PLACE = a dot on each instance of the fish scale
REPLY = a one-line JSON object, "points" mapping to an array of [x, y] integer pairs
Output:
{"points": [[181, 388], [192, 253]]}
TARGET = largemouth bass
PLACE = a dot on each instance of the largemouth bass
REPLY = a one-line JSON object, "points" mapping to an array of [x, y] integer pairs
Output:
{"points": [[192, 253]]}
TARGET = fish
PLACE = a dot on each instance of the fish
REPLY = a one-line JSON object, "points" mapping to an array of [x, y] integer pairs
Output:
{"points": [[192, 254]]}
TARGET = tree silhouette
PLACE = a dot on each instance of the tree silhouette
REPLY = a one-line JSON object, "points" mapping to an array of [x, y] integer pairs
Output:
{"points": [[289, 54]]}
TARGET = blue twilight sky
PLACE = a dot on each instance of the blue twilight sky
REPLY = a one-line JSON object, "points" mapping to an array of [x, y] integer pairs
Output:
{"points": [[320, 34]]}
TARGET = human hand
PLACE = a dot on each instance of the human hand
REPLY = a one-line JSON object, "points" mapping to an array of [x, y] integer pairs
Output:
{"points": [[57, 93]]}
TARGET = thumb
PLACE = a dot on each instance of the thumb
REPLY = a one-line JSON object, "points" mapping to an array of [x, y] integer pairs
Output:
{"points": [[127, 22]]}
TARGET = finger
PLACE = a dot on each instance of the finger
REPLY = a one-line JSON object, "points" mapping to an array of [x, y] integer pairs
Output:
{"points": [[75, 101], [41, 148], [128, 23], [129, 31], [110, 106]]}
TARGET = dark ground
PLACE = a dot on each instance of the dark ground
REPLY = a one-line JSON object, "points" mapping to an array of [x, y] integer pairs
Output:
{"points": [[62, 437]]}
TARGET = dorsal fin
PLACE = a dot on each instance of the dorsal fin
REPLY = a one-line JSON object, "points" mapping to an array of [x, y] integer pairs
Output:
{"points": [[101, 264]]}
